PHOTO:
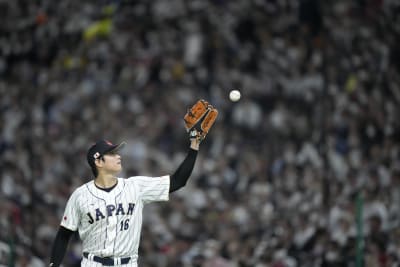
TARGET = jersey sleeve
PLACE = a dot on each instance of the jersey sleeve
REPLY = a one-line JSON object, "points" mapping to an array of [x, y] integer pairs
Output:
{"points": [[152, 188], [71, 217]]}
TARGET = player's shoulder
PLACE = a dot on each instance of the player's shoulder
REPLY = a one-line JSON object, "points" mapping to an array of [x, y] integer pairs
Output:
{"points": [[139, 179], [128, 180], [82, 189], [135, 179]]}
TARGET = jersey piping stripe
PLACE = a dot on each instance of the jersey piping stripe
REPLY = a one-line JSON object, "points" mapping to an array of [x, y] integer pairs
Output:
{"points": [[116, 228], [105, 203]]}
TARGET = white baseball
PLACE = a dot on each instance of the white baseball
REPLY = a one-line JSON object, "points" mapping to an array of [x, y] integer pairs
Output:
{"points": [[234, 95]]}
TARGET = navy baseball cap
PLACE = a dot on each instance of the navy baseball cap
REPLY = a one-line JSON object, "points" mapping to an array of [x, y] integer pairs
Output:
{"points": [[100, 148]]}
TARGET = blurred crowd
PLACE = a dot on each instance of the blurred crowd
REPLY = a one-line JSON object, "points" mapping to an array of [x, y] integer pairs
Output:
{"points": [[303, 171]]}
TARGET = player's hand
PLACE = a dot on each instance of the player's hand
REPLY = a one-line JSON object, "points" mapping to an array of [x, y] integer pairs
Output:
{"points": [[195, 140]]}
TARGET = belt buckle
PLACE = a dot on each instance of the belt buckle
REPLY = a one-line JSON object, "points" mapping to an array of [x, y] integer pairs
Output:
{"points": [[107, 261]]}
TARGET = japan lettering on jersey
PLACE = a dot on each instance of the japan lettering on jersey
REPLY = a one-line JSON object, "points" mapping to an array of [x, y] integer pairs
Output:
{"points": [[109, 223]]}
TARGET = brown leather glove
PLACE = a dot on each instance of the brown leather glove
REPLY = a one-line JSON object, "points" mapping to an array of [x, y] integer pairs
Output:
{"points": [[199, 119]]}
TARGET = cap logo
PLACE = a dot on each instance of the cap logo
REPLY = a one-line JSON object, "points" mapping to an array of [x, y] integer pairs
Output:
{"points": [[108, 143], [96, 155]]}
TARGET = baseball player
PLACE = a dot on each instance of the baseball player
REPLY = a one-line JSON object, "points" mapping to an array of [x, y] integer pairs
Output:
{"points": [[107, 211]]}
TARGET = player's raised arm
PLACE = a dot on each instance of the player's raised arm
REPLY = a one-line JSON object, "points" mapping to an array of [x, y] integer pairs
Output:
{"points": [[198, 121], [181, 175]]}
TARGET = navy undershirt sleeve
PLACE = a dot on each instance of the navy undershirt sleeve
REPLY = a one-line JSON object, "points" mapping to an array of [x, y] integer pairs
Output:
{"points": [[181, 175], [60, 246]]}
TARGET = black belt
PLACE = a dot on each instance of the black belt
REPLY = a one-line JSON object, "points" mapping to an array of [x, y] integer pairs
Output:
{"points": [[106, 261]]}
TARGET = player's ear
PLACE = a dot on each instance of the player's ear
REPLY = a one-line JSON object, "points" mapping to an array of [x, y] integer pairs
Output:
{"points": [[99, 161]]}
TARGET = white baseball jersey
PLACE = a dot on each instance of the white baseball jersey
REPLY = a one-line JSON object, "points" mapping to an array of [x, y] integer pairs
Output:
{"points": [[109, 223]]}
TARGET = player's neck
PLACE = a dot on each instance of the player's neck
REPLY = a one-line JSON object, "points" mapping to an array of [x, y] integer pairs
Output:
{"points": [[105, 181]]}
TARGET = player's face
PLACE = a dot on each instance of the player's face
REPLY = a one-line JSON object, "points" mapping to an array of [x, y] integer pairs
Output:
{"points": [[112, 162]]}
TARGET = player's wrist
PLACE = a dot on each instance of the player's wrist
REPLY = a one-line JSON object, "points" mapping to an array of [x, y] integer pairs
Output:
{"points": [[194, 144]]}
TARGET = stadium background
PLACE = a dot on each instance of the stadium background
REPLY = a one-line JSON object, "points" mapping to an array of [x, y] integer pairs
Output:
{"points": [[303, 171]]}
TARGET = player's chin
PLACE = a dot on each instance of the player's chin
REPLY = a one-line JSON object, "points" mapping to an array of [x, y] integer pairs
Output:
{"points": [[118, 168]]}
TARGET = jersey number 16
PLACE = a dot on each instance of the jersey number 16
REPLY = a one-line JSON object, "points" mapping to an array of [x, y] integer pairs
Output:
{"points": [[124, 225]]}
